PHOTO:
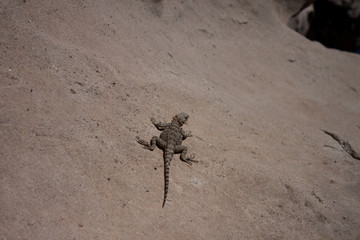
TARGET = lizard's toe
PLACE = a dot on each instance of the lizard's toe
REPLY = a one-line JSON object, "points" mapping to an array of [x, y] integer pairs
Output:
{"points": [[142, 142], [149, 148], [191, 158]]}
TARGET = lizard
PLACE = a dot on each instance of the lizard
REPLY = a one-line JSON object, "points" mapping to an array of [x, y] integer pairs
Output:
{"points": [[170, 141]]}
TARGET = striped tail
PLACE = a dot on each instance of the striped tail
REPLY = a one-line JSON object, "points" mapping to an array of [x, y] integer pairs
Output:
{"points": [[168, 154]]}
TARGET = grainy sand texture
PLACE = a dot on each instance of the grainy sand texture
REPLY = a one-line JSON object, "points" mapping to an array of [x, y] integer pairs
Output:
{"points": [[79, 80]]}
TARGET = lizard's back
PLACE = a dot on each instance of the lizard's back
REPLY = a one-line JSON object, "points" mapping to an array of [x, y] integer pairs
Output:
{"points": [[172, 135]]}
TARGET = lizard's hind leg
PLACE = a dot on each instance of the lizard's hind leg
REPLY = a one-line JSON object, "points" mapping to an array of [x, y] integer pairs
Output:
{"points": [[146, 145], [183, 150]]}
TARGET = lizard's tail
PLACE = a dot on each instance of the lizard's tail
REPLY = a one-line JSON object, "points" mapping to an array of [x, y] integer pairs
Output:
{"points": [[168, 154]]}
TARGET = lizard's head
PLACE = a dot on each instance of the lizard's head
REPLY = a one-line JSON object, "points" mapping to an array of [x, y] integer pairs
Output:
{"points": [[181, 118]]}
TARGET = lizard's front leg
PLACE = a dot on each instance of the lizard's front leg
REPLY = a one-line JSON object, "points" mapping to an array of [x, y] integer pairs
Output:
{"points": [[185, 134], [159, 125]]}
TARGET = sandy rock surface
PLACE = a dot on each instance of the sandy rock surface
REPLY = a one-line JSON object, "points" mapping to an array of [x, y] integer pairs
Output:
{"points": [[79, 80]]}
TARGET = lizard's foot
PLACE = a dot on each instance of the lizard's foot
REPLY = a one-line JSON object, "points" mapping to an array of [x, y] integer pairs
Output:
{"points": [[145, 144], [190, 160], [188, 134]]}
